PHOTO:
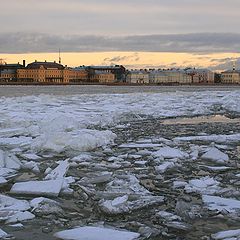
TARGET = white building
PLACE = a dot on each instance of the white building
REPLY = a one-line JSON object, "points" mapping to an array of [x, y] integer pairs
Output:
{"points": [[138, 76], [178, 76], [201, 75], [158, 77], [232, 77]]}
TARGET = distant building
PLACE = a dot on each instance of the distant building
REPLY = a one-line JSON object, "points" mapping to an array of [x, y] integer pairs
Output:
{"points": [[177, 76], [79, 75], [158, 77], [230, 77], [50, 72], [102, 77], [8, 72], [204, 76], [137, 76], [118, 70]]}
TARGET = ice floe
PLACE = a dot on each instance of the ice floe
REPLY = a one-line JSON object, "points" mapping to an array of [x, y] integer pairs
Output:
{"points": [[2, 234], [227, 235], [220, 203], [50, 188], [204, 185], [96, 233], [125, 205], [168, 152], [215, 155]]}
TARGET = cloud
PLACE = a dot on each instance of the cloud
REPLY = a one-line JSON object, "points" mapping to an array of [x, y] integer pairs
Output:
{"points": [[225, 64], [118, 59], [190, 43]]}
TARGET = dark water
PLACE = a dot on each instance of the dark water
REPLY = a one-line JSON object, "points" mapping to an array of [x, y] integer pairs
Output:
{"points": [[11, 91]]}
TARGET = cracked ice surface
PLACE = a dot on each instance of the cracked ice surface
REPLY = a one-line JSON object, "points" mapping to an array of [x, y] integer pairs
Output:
{"points": [[104, 156]]}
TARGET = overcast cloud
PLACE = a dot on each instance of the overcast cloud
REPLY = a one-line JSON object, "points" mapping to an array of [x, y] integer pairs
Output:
{"points": [[126, 25], [192, 43]]}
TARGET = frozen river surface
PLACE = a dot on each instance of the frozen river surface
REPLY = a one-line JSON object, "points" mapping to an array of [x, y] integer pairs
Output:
{"points": [[93, 162]]}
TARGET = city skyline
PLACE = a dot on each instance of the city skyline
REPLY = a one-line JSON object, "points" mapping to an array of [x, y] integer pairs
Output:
{"points": [[154, 33]]}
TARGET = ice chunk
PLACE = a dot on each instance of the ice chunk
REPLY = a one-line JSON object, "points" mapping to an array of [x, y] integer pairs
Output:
{"points": [[42, 188], [215, 155], [45, 205], [59, 172], [140, 145], [219, 203], [232, 138], [120, 200], [168, 216], [82, 140], [122, 205], [9, 160], [165, 166], [2, 234], [168, 152], [96, 233], [235, 234], [126, 185], [9, 203], [205, 185], [6, 172], [179, 184], [3, 180], [31, 156], [20, 216]]}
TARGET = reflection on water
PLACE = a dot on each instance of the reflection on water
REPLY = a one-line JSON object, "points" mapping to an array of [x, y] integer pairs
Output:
{"points": [[201, 119]]}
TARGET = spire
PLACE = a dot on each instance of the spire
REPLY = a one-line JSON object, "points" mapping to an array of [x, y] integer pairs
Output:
{"points": [[234, 66], [59, 56]]}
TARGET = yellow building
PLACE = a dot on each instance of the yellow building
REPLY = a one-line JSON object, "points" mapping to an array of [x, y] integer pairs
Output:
{"points": [[102, 77], [50, 72], [232, 77]]}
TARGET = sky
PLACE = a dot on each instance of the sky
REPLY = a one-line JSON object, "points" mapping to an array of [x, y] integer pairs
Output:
{"points": [[136, 33]]}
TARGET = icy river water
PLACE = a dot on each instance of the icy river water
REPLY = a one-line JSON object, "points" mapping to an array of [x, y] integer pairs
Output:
{"points": [[103, 163]]}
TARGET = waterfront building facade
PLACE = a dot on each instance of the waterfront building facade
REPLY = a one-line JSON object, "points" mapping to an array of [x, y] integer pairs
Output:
{"points": [[8, 72], [158, 77], [230, 77], [137, 77], [102, 77], [204, 76], [118, 71]]}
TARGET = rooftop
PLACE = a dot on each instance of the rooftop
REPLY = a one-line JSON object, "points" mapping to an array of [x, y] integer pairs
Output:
{"points": [[46, 65]]}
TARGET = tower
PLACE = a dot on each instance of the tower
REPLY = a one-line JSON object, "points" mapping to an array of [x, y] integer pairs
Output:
{"points": [[234, 65], [59, 57]]}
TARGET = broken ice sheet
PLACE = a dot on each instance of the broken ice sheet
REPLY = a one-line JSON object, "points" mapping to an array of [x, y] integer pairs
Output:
{"points": [[96, 233], [169, 152], [126, 184], [215, 155], [204, 185], [59, 172], [231, 138], [2, 234], [20, 216], [81, 140], [47, 188], [227, 235], [9, 160], [13, 210], [220, 203], [125, 205], [45, 206]]}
